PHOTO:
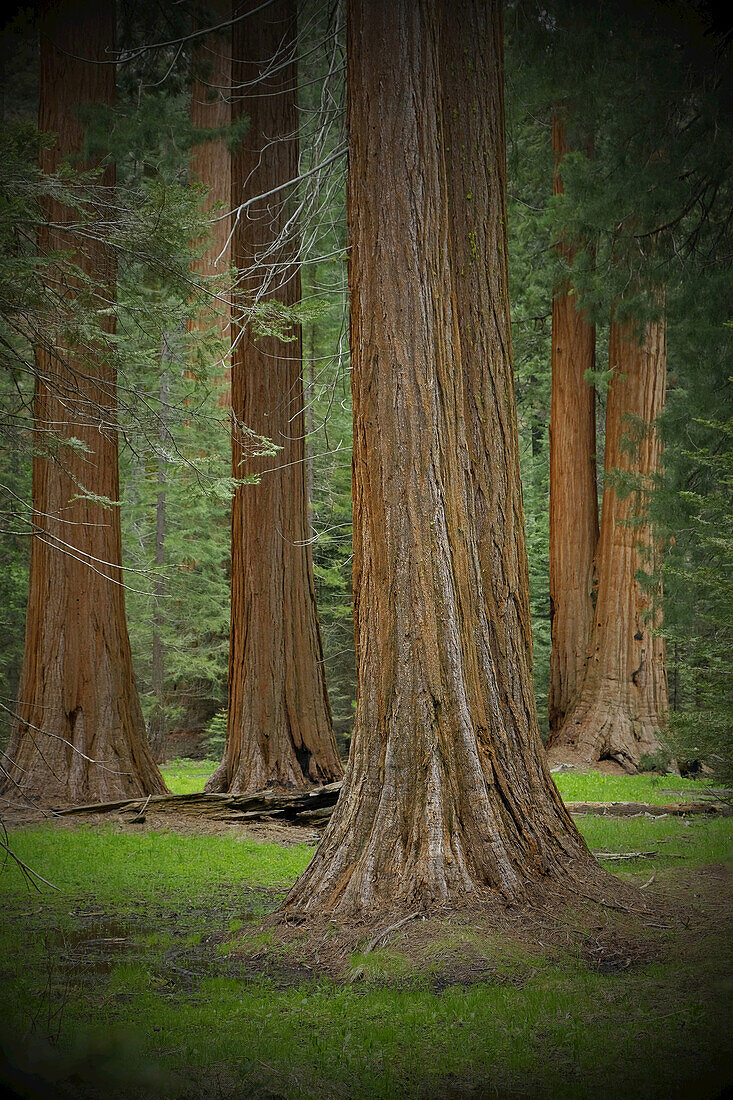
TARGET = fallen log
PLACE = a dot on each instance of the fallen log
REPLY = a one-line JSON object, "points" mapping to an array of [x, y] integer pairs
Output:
{"points": [[619, 857], [314, 807], [308, 806], [636, 809]]}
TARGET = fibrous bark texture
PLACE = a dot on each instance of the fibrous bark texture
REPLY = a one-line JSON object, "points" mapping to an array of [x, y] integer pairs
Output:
{"points": [[573, 489], [623, 698], [279, 728], [446, 799], [211, 160], [80, 733]]}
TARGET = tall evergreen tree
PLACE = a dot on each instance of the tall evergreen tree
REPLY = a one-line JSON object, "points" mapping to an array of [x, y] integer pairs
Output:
{"points": [[279, 725], [622, 701], [446, 798], [691, 508], [573, 489], [79, 732], [646, 214]]}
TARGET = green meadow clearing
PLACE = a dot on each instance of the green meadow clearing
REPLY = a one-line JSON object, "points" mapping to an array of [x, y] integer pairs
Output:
{"points": [[148, 971]]}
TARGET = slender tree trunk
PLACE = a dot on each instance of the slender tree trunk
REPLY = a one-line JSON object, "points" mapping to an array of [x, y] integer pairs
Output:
{"points": [[446, 799], [623, 698], [573, 491], [80, 734], [279, 725], [158, 726]]}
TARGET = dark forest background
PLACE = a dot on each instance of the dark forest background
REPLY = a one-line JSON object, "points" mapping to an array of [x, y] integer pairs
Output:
{"points": [[653, 90]]}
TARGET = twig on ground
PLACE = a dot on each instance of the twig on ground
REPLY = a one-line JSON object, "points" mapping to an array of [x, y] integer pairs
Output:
{"points": [[387, 931]]}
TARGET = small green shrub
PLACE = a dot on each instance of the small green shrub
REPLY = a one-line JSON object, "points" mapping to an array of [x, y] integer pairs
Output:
{"points": [[216, 735], [703, 735], [658, 761]]}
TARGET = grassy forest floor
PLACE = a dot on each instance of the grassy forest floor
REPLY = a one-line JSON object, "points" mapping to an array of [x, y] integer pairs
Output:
{"points": [[152, 971]]}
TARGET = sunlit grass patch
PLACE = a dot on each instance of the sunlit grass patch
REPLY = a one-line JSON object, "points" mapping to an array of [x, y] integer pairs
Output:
{"points": [[187, 776], [117, 867], [594, 786], [675, 841]]}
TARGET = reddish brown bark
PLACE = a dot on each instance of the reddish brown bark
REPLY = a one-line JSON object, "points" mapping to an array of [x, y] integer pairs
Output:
{"points": [[80, 733], [623, 698], [573, 489], [446, 799], [279, 727], [211, 160]]}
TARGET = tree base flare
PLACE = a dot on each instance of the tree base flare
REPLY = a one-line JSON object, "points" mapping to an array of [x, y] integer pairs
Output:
{"points": [[468, 945], [593, 734]]}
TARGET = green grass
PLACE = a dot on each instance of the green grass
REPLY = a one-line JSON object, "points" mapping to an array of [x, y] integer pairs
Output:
{"points": [[676, 841], [593, 786], [127, 980], [187, 776], [116, 867]]}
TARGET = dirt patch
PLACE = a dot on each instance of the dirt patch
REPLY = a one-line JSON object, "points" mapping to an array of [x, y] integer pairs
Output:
{"points": [[499, 944], [699, 897], [567, 759], [674, 917], [611, 952], [187, 824]]}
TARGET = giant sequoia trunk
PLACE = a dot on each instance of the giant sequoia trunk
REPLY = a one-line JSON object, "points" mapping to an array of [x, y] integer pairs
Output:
{"points": [[79, 733], [573, 490], [623, 698], [211, 160], [279, 729], [447, 799]]}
